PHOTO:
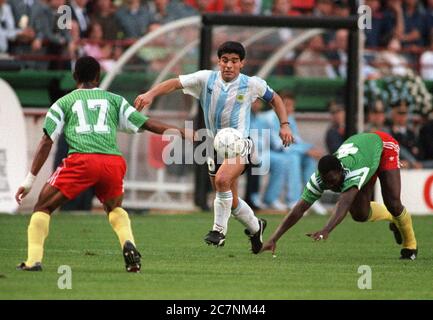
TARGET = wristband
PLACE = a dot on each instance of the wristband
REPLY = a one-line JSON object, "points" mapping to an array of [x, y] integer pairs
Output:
{"points": [[28, 181], [283, 123]]}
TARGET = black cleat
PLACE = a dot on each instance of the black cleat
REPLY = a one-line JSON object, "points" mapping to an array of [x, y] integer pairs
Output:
{"points": [[36, 267], [408, 254], [215, 238], [132, 257], [397, 234], [257, 238]]}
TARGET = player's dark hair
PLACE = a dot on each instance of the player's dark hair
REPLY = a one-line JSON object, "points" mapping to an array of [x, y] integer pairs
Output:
{"points": [[329, 163], [87, 69], [231, 47]]}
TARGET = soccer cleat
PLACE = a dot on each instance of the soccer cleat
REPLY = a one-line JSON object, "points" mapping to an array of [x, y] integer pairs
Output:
{"points": [[132, 257], [408, 254], [215, 238], [397, 234], [257, 238], [36, 267]]}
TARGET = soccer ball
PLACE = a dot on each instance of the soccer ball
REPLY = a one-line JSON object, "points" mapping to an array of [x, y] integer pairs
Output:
{"points": [[229, 143]]}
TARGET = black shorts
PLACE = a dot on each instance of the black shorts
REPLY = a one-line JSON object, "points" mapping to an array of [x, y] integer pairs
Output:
{"points": [[214, 163]]}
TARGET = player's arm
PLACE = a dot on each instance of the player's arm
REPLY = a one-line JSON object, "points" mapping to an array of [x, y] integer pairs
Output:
{"points": [[290, 220], [341, 210], [159, 127], [278, 105], [145, 100], [39, 159]]}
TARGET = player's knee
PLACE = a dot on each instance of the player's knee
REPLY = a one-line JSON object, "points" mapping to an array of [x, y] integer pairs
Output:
{"points": [[359, 217], [359, 214], [222, 182]]}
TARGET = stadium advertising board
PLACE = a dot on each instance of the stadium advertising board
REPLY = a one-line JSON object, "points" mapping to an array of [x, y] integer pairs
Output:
{"points": [[13, 147], [416, 191]]}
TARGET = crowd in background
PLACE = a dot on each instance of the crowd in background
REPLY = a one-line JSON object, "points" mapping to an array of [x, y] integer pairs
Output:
{"points": [[29, 31]]}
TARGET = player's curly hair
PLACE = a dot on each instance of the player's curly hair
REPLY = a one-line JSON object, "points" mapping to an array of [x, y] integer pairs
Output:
{"points": [[87, 69], [329, 163], [231, 47]]}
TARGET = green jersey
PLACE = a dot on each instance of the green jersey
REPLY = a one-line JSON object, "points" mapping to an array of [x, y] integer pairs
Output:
{"points": [[360, 157], [90, 119]]}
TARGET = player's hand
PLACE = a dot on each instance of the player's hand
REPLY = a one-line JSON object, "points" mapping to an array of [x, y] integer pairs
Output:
{"points": [[269, 245], [286, 135], [25, 187], [319, 235], [21, 193], [143, 101]]}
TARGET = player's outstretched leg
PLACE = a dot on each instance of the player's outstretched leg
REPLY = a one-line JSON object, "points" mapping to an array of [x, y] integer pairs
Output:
{"points": [[121, 225], [254, 226]]}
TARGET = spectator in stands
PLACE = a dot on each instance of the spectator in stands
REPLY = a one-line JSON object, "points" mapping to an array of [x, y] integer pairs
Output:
{"points": [[374, 35], [312, 63], [426, 62], [104, 14], [429, 18], [249, 7], [261, 147], [277, 168], [79, 14], [323, 8], [134, 19], [338, 52], [283, 8], [341, 8], [56, 37], [399, 129], [231, 6], [75, 49], [8, 31], [335, 133], [164, 11], [406, 22], [415, 27], [95, 47], [25, 16], [390, 61], [204, 6], [426, 142], [376, 117], [302, 158]]}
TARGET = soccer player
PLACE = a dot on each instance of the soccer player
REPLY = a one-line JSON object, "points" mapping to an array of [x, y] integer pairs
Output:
{"points": [[353, 170], [90, 118], [226, 97]]}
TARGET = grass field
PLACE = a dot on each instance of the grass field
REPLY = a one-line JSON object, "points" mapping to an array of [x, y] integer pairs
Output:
{"points": [[177, 264]]}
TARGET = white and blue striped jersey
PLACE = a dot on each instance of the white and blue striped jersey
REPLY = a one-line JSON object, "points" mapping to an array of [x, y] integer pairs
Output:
{"points": [[226, 104]]}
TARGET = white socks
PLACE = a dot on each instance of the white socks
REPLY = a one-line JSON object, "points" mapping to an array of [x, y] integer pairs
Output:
{"points": [[245, 215], [222, 207]]}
